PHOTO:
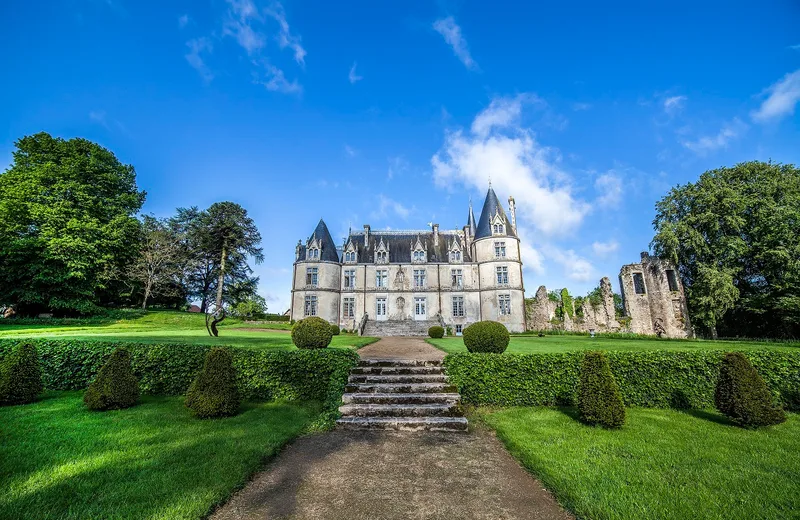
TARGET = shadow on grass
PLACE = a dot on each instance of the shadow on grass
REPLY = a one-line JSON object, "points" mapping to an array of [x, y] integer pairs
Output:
{"points": [[708, 415]]}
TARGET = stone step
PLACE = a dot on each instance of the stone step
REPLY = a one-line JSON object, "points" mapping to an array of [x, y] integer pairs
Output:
{"points": [[403, 378], [404, 388], [404, 423], [394, 370], [400, 410], [381, 398], [399, 363]]}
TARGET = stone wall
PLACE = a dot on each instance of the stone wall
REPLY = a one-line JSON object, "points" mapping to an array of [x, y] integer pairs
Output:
{"points": [[541, 313]]}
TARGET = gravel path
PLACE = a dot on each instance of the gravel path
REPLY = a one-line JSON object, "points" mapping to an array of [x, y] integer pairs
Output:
{"points": [[401, 348]]}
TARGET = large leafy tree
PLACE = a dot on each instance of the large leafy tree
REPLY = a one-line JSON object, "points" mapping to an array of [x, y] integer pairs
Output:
{"points": [[66, 224], [734, 235], [158, 266]]}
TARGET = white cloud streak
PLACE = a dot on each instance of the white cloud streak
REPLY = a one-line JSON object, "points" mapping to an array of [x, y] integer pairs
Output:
{"points": [[674, 104], [781, 100], [451, 33], [352, 76], [183, 21], [285, 36], [711, 143], [239, 24], [387, 206], [605, 248], [198, 46], [609, 188]]}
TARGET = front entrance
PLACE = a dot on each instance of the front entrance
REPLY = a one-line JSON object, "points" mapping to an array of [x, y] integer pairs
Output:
{"points": [[380, 309], [420, 308]]}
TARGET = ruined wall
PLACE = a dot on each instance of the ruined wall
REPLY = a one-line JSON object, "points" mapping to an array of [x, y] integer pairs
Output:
{"points": [[540, 310], [541, 313]]}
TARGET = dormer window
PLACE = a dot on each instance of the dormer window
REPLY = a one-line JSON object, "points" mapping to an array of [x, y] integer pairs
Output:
{"points": [[455, 256], [499, 229], [312, 254], [350, 257], [419, 256], [381, 257]]}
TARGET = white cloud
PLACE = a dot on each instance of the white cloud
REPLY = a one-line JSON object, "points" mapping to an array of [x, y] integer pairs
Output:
{"points": [[183, 21], [795, 47], [398, 165], [710, 143], [387, 206], [575, 267], [577, 107], [196, 47], [783, 97], [350, 151], [674, 104], [276, 81], [605, 248], [501, 148], [239, 24], [352, 76], [285, 36], [609, 188], [99, 117], [532, 259], [451, 33]]}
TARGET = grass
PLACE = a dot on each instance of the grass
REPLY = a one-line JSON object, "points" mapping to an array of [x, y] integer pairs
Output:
{"points": [[663, 464], [174, 327], [59, 460], [563, 343]]}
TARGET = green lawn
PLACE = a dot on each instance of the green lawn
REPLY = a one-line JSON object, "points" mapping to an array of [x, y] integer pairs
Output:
{"points": [[59, 460], [535, 344], [663, 464]]}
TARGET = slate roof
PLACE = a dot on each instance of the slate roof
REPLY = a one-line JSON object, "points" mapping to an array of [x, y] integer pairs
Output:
{"points": [[400, 244], [471, 220], [491, 206], [321, 233]]}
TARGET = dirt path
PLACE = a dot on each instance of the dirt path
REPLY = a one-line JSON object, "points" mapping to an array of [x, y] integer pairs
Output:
{"points": [[401, 348], [346, 475]]}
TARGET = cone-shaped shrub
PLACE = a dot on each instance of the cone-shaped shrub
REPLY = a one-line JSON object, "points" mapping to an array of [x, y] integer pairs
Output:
{"points": [[742, 395], [599, 398], [20, 376], [213, 392], [312, 332], [436, 332], [115, 386]]}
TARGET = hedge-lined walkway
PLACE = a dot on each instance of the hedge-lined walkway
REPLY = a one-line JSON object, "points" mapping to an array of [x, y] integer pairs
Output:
{"points": [[401, 348]]}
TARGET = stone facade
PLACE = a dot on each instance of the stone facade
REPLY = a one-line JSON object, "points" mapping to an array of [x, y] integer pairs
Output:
{"points": [[454, 277]]}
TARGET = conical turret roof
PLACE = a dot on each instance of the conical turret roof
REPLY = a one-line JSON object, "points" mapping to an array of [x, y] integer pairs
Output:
{"points": [[323, 236], [492, 207]]}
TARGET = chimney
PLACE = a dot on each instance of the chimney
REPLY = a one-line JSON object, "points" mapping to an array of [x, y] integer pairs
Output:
{"points": [[436, 235], [512, 208], [366, 235]]}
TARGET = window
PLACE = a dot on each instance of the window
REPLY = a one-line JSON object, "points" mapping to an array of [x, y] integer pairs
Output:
{"points": [[502, 275], [419, 306], [350, 256], [313, 254], [350, 279], [381, 278], [458, 306], [311, 276], [381, 257], [311, 306], [672, 280], [638, 283], [455, 256], [505, 304], [349, 308], [499, 229], [419, 278], [456, 278], [380, 306], [419, 256], [459, 329], [499, 249]]}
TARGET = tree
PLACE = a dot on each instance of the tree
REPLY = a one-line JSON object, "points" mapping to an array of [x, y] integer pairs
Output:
{"points": [[733, 235], [66, 224], [158, 265]]}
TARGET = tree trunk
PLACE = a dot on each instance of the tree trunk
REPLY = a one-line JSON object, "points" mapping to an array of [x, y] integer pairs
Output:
{"points": [[146, 296], [713, 332], [221, 279]]}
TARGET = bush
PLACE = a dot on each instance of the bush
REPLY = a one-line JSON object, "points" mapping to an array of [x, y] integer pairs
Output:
{"points": [[742, 395], [449, 331], [486, 336], [312, 332], [115, 386], [436, 332], [20, 375], [213, 392], [599, 399], [335, 330]]}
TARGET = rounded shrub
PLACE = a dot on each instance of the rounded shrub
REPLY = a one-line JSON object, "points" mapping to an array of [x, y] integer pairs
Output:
{"points": [[335, 330], [436, 332], [20, 376], [115, 386], [213, 392], [312, 332], [599, 399], [742, 395], [486, 336]]}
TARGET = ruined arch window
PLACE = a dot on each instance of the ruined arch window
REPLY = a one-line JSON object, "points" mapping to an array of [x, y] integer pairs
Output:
{"points": [[672, 280], [638, 283]]}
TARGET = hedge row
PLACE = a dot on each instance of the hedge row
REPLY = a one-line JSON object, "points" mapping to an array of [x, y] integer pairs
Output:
{"points": [[659, 379], [168, 369]]}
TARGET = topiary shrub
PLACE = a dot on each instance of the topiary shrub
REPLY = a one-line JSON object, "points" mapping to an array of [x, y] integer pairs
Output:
{"points": [[599, 398], [436, 332], [115, 386], [742, 395], [312, 332], [20, 376], [213, 392], [486, 336], [335, 330]]}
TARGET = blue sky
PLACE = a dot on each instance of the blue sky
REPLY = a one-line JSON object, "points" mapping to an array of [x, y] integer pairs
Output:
{"points": [[396, 113]]}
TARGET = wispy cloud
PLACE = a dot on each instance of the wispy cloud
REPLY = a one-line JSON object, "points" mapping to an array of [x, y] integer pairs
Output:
{"points": [[275, 80], [387, 207], [101, 118], [183, 21], [782, 98], [398, 165], [609, 189], [350, 151], [352, 76], [241, 16], [710, 143], [198, 46], [578, 107], [285, 36], [451, 33], [795, 47], [605, 248], [674, 104]]}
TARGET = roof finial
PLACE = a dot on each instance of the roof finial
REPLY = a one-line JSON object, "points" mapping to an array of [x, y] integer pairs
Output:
{"points": [[490, 182]]}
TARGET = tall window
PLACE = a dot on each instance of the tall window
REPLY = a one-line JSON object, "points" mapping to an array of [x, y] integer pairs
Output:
{"points": [[381, 278], [350, 279], [672, 280], [311, 276], [419, 255], [638, 283], [349, 308], [350, 256], [380, 306], [419, 278], [456, 278], [458, 306], [505, 304], [311, 306], [502, 275], [499, 249]]}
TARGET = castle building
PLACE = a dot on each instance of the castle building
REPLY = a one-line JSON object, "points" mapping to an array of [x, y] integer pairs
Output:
{"points": [[384, 283]]}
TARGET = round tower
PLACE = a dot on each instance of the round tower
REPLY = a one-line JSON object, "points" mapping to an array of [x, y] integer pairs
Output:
{"points": [[317, 272]]}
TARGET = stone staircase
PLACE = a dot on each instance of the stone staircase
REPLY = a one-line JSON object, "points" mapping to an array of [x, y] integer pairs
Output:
{"points": [[399, 394], [398, 328]]}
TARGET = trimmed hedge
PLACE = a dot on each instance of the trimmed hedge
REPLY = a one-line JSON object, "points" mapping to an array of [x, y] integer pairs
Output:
{"points": [[486, 336], [115, 386], [335, 330], [658, 379], [599, 400], [742, 395], [436, 332], [20, 375], [312, 333]]}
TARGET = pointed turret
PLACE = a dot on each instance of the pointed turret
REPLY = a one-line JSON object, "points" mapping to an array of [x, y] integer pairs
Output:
{"points": [[471, 220], [491, 214], [323, 237]]}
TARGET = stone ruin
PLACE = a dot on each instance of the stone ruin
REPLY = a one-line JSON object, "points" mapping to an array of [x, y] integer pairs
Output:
{"points": [[652, 296]]}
